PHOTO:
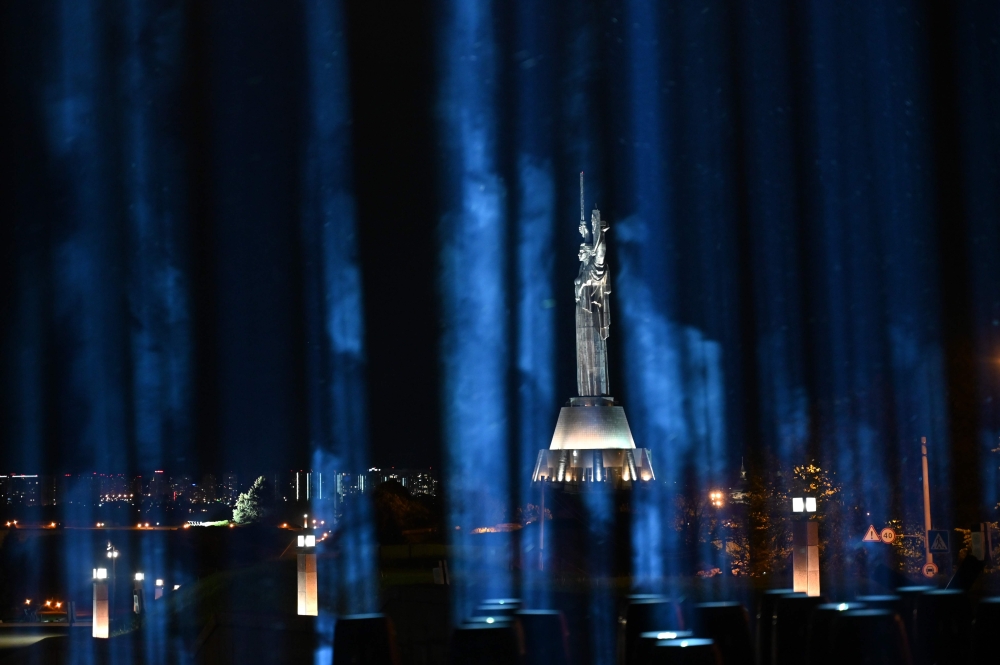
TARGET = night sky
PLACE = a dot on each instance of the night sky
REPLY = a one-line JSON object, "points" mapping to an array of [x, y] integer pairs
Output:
{"points": [[803, 228]]}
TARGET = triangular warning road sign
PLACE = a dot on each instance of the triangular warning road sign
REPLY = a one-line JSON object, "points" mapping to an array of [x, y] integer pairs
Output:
{"points": [[872, 535], [939, 545]]}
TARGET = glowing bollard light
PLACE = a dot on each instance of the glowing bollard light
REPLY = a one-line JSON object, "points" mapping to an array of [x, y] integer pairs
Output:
{"points": [[101, 616], [158, 591], [308, 599], [805, 547], [138, 599]]}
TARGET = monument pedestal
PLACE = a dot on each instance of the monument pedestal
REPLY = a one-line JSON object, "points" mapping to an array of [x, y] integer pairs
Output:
{"points": [[592, 443]]}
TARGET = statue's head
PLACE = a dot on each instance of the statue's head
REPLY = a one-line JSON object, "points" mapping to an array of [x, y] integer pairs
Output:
{"points": [[585, 251]]}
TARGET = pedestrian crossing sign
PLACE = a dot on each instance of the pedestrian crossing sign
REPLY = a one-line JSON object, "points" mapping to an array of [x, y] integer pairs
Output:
{"points": [[939, 540]]}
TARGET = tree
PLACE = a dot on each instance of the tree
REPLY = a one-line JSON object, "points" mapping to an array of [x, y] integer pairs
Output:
{"points": [[248, 505]]}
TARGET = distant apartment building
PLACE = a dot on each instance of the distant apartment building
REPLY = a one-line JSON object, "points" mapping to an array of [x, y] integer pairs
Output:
{"points": [[229, 489], [209, 488], [159, 487], [21, 489], [308, 486], [417, 481]]}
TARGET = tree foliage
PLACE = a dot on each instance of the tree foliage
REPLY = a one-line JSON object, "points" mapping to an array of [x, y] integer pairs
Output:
{"points": [[397, 511], [249, 504]]}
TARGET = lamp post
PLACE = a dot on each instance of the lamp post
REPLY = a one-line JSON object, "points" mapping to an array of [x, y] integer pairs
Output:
{"points": [[308, 600], [805, 546], [101, 615], [113, 555], [716, 498]]}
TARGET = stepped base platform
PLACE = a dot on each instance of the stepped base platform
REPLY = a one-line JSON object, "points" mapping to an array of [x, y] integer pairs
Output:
{"points": [[592, 443]]}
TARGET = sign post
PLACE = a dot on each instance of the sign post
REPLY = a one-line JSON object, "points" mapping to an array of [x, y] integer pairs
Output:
{"points": [[927, 501]]}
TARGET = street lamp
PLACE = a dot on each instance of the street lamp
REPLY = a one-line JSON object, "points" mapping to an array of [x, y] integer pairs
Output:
{"points": [[805, 547], [101, 613], [113, 555], [715, 498], [308, 600]]}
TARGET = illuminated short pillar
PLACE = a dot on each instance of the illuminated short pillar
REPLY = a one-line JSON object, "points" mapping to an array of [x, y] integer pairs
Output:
{"points": [[138, 599], [805, 548], [805, 558], [308, 599], [158, 590], [101, 616]]}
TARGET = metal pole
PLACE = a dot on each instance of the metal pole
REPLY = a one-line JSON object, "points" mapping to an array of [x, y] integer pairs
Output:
{"points": [[541, 531], [927, 499]]}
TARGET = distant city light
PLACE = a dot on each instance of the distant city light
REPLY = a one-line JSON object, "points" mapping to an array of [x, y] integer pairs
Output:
{"points": [[159, 582], [176, 587], [140, 577], [100, 573]]}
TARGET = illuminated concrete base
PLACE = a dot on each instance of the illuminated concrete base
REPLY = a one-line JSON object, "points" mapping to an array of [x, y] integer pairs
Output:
{"points": [[101, 614], [805, 557], [592, 443], [308, 598], [612, 466]]}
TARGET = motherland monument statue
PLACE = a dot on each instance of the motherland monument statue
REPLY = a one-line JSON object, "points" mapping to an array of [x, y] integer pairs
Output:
{"points": [[592, 442]]}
